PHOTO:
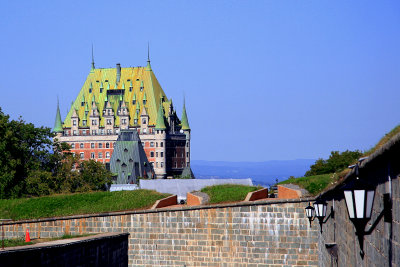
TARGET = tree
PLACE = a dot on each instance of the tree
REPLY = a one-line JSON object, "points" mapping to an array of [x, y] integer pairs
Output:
{"points": [[335, 163], [33, 164], [23, 147]]}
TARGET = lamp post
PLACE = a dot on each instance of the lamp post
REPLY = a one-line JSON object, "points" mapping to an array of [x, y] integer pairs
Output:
{"points": [[359, 198]]}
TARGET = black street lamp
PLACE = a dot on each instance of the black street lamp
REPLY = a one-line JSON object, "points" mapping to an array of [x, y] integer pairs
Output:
{"points": [[310, 213], [359, 198], [320, 211]]}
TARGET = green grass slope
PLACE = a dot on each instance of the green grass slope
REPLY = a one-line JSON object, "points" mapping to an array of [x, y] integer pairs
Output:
{"points": [[85, 203], [228, 192], [313, 184]]}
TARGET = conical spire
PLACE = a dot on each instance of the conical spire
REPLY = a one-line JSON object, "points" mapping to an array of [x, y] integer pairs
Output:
{"points": [[148, 67], [58, 124], [160, 124], [184, 120], [92, 69]]}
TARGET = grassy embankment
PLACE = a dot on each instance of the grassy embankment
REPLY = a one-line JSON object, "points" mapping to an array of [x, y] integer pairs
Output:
{"points": [[318, 183], [73, 204], [313, 184], [228, 192]]}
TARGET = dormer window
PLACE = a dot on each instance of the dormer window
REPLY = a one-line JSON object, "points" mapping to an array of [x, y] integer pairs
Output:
{"points": [[109, 112], [109, 122], [106, 81], [90, 90], [135, 121], [101, 90], [137, 79], [82, 104], [74, 122], [133, 102], [144, 101], [84, 122], [144, 121], [130, 88], [141, 88]]}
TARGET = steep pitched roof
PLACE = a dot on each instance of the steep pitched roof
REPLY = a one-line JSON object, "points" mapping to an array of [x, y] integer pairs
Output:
{"points": [[58, 124], [138, 76], [129, 160], [160, 125], [184, 121]]}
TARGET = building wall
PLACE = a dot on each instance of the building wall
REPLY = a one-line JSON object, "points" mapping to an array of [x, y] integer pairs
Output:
{"points": [[267, 233], [382, 246], [174, 154]]}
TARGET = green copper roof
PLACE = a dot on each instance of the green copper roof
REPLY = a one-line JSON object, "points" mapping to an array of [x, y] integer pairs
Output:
{"points": [[185, 121], [160, 124], [58, 124], [107, 76], [144, 96]]}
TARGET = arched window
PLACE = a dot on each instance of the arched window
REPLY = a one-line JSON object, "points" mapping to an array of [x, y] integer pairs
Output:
{"points": [[107, 145]]}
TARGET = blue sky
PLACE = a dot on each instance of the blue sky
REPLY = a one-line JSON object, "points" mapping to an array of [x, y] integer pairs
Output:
{"points": [[263, 79]]}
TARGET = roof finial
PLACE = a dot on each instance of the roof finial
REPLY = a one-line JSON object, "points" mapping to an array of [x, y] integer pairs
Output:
{"points": [[148, 57], [92, 59], [148, 52]]}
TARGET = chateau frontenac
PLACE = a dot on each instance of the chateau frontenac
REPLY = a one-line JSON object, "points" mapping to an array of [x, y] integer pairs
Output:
{"points": [[114, 99]]}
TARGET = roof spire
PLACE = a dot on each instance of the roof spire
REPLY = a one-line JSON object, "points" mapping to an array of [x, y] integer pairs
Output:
{"points": [[92, 69], [184, 121], [160, 124], [58, 124], [148, 57]]}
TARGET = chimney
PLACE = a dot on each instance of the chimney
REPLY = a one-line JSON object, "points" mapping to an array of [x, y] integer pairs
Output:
{"points": [[118, 72]]}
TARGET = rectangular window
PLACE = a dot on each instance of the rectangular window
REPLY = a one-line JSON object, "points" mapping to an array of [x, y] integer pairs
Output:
{"points": [[73, 145], [152, 154], [151, 144], [100, 155], [109, 122], [109, 131], [162, 154], [162, 144], [74, 122], [81, 145], [162, 164], [93, 132], [156, 154], [100, 145], [92, 145], [84, 122], [187, 154], [156, 164], [82, 155], [74, 132], [92, 155], [84, 132], [107, 155], [94, 122]]}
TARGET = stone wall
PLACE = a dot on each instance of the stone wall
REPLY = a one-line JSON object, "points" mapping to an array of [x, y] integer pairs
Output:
{"points": [[269, 232], [382, 245]]}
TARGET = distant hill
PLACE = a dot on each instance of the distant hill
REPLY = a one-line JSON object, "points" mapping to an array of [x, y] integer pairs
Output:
{"points": [[262, 173]]}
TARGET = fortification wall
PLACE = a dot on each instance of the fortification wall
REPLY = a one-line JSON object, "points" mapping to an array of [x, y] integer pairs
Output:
{"points": [[382, 244], [273, 232]]}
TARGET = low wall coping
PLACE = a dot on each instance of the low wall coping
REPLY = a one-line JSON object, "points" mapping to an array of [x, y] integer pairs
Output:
{"points": [[256, 195], [64, 242], [172, 209]]}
